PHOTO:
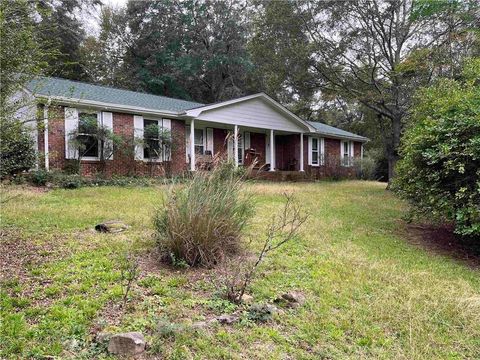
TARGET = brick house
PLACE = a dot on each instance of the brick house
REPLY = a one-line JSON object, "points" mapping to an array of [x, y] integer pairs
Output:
{"points": [[250, 128]]}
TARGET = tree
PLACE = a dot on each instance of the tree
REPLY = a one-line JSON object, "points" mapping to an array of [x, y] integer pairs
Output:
{"points": [[440, 168], [191, 49], [103, 57], [21, 58], [375, 53], [60, 30]]}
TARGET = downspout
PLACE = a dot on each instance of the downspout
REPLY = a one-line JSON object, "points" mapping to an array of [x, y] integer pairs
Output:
{"points": [[45, 133]]}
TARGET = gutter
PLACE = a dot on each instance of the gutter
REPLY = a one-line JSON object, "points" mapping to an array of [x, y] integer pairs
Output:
{"points": [[61, 100]]}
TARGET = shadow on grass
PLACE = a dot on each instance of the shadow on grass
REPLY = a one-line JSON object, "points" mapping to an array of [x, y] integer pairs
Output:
{"points": [[442, 240]]}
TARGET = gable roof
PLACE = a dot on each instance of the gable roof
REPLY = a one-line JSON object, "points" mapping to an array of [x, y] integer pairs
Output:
{"points": [[68, 89], [199, 110], [325, 129]]}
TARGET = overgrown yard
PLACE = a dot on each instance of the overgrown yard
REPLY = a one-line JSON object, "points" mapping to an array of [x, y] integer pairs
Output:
{"points": [[370, 292]]}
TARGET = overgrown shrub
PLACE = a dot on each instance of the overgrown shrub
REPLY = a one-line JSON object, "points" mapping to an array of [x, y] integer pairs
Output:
{"points": [[365, 168], [202, 222], [440, 170], [57, 179], [17, 151]]}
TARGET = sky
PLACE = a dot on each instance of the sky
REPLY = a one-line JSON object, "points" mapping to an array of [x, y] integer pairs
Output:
{"points": [[92, 19]]}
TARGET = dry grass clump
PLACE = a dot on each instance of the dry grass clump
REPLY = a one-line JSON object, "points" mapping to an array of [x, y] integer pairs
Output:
{"points": [[202, 222]]}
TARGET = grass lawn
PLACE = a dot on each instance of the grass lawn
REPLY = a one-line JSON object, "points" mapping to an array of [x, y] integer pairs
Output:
{"points": [[370, 292]]}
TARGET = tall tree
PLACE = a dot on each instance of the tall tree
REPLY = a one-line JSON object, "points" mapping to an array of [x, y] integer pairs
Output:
{"points": [[374, 53], [21, 58], [191, 49], [61, 30], [103, 56]]}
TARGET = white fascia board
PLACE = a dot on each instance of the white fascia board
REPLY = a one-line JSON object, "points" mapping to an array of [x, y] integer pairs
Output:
{"points": [[334, 136], [196, 112], [109, 106]]}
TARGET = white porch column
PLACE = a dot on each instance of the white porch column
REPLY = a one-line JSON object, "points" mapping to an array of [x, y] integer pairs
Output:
{"points": [[272, 151], [192, 145], [235, 145], [301, 152], [45, 139]]}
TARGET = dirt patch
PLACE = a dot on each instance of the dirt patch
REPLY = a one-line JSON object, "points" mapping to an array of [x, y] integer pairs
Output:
{"points": [[18, 256], [442, 240]]}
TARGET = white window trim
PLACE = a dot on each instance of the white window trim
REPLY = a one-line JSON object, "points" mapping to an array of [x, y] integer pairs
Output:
{"points": [[349, 163], [187, 140], [99, 121], [320, 151], [161, 125]]}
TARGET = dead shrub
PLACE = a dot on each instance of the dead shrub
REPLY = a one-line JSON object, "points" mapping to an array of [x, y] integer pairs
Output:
{"points": [[237, 273]]}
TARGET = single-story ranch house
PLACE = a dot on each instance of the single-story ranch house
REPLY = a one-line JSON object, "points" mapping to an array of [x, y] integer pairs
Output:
{"points": [[250, 128]]}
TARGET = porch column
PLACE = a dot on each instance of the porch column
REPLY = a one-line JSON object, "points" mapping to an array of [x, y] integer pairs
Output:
{"points": [[301, 152], [192, 145], [235, 145], [272, 151], [45, 137]]}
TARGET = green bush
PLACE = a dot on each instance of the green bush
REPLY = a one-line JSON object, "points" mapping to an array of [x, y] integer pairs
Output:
{"points": [[17, 151], [440, 168], [202, 221]]}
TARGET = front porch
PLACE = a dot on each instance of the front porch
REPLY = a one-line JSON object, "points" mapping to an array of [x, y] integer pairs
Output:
{"points": [[270, 150]]}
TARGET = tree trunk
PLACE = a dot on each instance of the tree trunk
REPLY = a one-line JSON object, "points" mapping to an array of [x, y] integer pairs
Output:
{"points": [[392, 151]]}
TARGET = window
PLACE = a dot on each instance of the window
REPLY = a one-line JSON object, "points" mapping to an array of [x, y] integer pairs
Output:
{"points": [[316, 151], [240, 153], [199, 142], [87, 128], [346, 153], [151, 139]]}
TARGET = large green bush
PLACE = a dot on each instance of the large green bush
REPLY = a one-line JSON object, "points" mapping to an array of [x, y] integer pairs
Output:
{"points": [[440, 168], [17, 152], [202, 222]]}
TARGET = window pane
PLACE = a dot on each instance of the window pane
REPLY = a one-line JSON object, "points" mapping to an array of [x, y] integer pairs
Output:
{"points": [[89, 146], [199, 137], [199, 149], [314, 157], [314, 144], [87, 123]]}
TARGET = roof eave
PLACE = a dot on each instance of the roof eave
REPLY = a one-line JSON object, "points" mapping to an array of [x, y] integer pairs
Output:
{"points": [[336, 136], [61, 100]]}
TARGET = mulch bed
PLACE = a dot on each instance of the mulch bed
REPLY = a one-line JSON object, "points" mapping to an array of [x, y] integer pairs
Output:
{"points": [[442, 240]]}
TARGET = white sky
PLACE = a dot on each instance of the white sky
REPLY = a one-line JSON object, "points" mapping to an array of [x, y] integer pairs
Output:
{"points": [[91, 17]]}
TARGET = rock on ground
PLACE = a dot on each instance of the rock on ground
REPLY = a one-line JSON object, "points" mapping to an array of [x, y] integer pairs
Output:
{"points": [[112, 226], [292, 299], [131, 343]]}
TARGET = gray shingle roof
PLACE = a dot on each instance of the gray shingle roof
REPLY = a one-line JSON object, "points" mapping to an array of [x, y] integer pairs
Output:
{"points": [[49, 86], [330, 130]]}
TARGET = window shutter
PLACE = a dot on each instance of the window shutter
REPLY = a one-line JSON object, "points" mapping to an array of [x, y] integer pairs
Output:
{"points": [[322, 151], [167, 126], [107, 122], [138, 133], [71, 125], [246, 137], [210, 139], [351, 149], [309, 150]]}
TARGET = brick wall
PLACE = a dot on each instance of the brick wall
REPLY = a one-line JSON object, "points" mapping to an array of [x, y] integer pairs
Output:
{"points": [[123, 162]]}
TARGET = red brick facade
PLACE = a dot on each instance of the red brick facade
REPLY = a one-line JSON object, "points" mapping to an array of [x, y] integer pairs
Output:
{"points": [[287, 150]]}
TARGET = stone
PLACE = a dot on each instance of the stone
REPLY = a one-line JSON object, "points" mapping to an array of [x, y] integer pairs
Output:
{"points": [[247, 299], [227, 319], [131, 343], [112, 226], [262, 312], [292, 299]]}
